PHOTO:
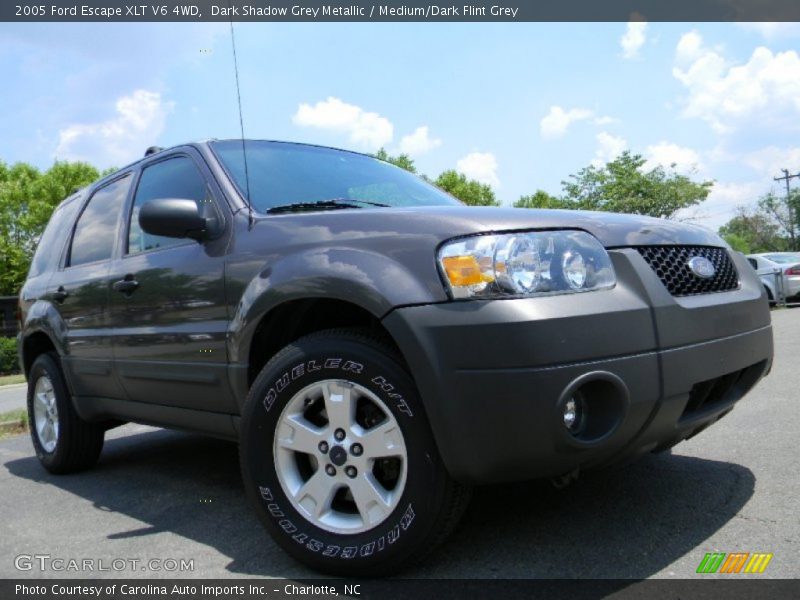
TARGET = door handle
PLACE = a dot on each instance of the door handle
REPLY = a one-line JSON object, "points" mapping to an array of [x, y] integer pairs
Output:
{"points": [[127, 285], [60, 294]]}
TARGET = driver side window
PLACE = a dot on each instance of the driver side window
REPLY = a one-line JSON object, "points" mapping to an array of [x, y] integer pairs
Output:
{"points": [[176, 177]]}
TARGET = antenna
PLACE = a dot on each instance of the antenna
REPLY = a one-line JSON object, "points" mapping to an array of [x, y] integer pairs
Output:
{"points": [[241, 122]]}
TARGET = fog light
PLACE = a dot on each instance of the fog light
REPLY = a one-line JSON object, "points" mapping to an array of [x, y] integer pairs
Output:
{"points": [[572, 413]]}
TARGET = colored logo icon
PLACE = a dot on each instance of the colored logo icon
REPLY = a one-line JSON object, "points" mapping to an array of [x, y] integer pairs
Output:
{"points": [[735, 562]]}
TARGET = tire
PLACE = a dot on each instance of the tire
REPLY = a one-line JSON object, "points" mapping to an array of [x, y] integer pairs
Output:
{"points": [[287, 480], [64, 442]]}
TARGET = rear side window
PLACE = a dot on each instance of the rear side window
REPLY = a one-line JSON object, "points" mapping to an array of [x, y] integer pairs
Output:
{"points": [[96, 229], [753, 263], [48, 250], [173, 178]]}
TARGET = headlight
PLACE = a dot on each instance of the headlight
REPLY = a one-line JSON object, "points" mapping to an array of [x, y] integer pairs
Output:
{"points": [[525, 264]]}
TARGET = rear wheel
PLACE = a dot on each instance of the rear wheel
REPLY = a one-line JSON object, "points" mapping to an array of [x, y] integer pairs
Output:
{"points": [[339, 460], [64, 442]]}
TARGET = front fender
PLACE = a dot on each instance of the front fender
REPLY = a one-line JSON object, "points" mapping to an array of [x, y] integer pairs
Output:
{"points": [[372, 281]]}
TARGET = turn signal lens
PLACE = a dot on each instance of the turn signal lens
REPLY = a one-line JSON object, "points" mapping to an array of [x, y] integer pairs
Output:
{"points": [[463, 270]]}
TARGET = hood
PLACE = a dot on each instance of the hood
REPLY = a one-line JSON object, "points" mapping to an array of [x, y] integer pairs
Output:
{"points": [[445, 222]]}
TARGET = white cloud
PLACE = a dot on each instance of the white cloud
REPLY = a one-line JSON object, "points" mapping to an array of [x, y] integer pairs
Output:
{"points": [[722, 202], [605, 120], [633, 39], [689, 47], [773, 31], [609, 147], [556, 122], [419, 142], [769, 161], [666, 154], [139, 121], [367, 130], [481, 166], [763, 91]]}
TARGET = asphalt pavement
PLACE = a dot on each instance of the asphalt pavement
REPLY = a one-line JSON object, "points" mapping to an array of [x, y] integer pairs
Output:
{"points": [[162, 495], [12, 397]]}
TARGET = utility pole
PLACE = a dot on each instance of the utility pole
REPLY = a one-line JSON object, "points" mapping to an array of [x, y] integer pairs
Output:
{"points": [[786, 177]]}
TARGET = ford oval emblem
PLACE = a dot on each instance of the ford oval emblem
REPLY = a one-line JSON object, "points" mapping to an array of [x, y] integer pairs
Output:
{"points": [[702, 267]]}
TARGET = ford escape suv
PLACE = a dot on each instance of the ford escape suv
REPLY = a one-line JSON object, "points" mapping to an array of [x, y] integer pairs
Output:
{"points": [[374, 346]]}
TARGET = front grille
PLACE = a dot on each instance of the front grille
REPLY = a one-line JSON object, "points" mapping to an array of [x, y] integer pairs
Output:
{"points": [[671, 264]]}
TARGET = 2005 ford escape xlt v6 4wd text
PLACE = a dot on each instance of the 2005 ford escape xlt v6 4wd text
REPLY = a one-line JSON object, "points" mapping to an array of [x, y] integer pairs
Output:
{"points": [[375, 347]]}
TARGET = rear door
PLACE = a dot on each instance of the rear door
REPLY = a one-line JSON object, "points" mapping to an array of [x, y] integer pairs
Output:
{"points": [[80, 290], [167, 301]]}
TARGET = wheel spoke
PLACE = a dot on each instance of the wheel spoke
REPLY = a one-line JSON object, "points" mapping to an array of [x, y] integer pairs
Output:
{"points": [[297, 434], [41, 427], [47, 433], [383, 440], [339, 404], [370, 498], [316, 494]]}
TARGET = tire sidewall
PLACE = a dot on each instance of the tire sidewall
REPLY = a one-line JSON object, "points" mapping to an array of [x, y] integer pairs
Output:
{"points": [[401, 534]]}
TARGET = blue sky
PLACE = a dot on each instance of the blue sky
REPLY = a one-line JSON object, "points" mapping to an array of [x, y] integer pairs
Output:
{"points": [[519, 106]]}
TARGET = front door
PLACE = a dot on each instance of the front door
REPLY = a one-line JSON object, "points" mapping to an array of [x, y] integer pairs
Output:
{"points": [[168, 299]]}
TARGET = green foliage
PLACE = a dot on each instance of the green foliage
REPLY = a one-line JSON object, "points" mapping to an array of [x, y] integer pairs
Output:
{"points": [[540, 199], [27, 199], [469, 191], [404, 161], [784, 214], [623, 185], [738, 243], [756, 230], [8, 356]]}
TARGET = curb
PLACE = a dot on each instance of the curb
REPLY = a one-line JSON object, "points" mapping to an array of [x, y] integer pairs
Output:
{"points": [[11, 425]]}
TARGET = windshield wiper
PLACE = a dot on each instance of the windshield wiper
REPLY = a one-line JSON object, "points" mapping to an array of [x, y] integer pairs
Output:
{"points": [[328, 204]]}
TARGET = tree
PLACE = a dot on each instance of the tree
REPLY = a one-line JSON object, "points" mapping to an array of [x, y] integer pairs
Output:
{"points": [[738, 243], [623, 185], [754, 230], [27, 199], [404, 161], [540, 199], [784, 213], [469, 191]]}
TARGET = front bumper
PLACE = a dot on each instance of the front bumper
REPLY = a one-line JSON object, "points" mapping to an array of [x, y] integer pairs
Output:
{"points": [[493, 375]]}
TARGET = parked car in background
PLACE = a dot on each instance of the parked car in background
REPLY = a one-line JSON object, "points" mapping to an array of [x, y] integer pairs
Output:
{"points": [[767, 265]]}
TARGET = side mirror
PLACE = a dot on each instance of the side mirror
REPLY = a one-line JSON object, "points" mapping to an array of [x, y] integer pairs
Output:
{"points": [[176, 218]]}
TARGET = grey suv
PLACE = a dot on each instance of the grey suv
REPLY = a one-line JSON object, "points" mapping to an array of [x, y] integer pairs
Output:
{"points": [[375, 347]]}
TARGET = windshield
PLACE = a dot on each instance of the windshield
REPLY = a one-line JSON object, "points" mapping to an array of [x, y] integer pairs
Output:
{"points": [[282, 173], [783, 259]]}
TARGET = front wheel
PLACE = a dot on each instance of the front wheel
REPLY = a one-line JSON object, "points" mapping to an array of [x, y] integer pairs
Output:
{"points": [[339, 460]]}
